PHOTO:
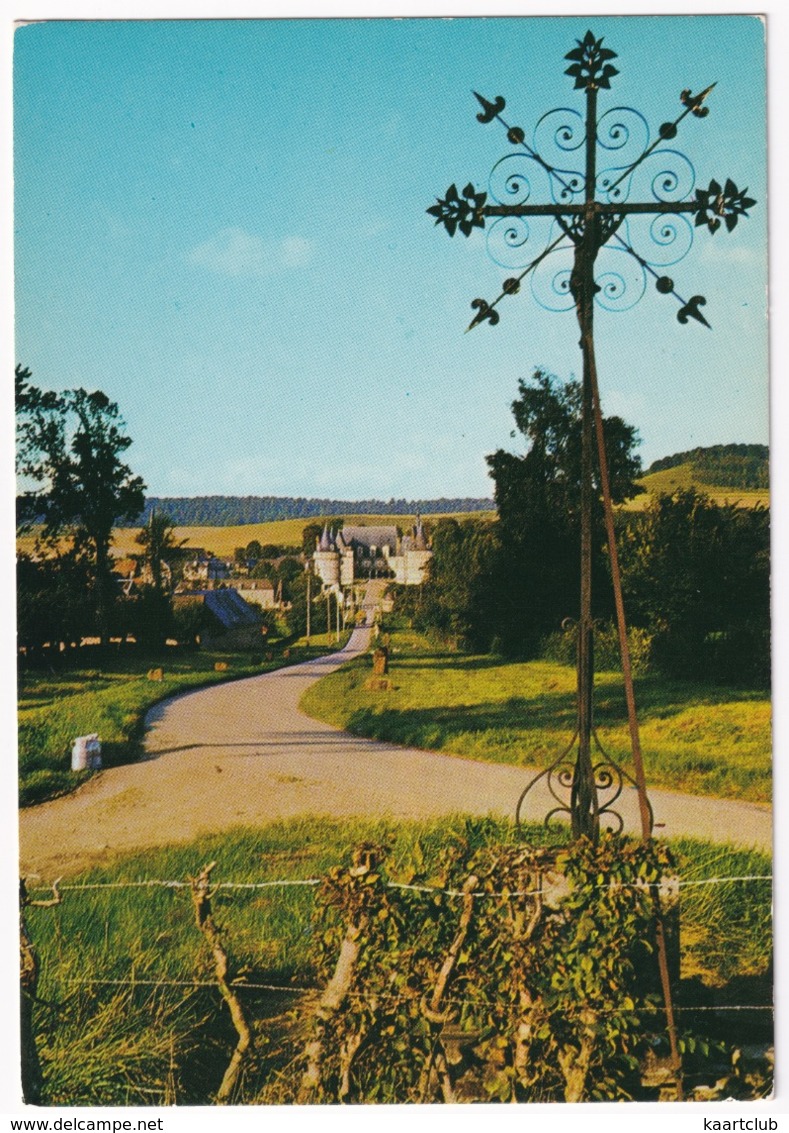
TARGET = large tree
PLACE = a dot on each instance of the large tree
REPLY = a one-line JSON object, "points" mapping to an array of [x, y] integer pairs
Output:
{"points": [[53, 600], [70, 448], [538, 496], [157, 538], [162, 552], [457, 600]]}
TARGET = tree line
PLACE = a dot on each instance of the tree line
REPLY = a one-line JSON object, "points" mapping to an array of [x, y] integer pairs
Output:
{"points": [[695, 574], [232, 511]]}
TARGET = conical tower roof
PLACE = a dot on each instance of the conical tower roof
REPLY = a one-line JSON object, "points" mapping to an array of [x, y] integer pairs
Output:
{"points": [[420, 541]]}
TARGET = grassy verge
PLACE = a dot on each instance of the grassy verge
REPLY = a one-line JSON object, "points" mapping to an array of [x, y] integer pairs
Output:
{"points": [[698, 738], [110, 695], [128, 1011]]}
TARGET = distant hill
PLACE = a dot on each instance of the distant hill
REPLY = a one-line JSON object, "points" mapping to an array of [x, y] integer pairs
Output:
{"points": [[234, 511], [722, 466]]}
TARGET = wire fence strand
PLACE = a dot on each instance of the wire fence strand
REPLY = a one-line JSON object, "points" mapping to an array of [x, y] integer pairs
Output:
{"points": [[667, 884], [242, 985]]}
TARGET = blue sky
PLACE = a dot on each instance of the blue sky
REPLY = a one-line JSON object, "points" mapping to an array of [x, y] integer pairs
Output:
{"points": [[222, 224]]}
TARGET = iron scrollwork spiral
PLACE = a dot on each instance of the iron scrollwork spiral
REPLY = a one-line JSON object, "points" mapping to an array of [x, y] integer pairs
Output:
{"points": [[543, 186], [551, 281], [560, 780], [558, 135], [622, 132], [547, 171], [621, 280]]}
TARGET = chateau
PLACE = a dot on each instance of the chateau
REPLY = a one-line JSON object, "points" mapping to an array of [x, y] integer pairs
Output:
{"points": [[352, 553]]}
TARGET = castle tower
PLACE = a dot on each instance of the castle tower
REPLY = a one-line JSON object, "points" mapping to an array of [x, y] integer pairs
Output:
{"points": [[416, 555], [327, 558]]}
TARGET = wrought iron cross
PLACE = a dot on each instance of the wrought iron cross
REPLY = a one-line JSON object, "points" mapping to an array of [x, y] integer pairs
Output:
{"points": [[597, 245]]}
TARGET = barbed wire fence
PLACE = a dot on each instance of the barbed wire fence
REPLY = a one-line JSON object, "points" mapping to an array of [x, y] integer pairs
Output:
{"points": [[233, 987]]}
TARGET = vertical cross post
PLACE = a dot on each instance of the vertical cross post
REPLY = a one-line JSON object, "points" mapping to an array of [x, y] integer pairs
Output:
{"points": [[583, 804], [589, 212]]}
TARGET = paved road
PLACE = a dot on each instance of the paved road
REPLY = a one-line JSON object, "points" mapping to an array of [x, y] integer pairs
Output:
{"points": [[243, 753]]}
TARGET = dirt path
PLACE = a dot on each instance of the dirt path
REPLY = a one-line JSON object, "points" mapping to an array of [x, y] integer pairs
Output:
{"points": [[243, 753]]}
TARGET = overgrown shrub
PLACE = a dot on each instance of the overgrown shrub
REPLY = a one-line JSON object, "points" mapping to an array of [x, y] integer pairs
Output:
{"points": [[562, 647], [129, 1011], [189, 621], [528, 976]]}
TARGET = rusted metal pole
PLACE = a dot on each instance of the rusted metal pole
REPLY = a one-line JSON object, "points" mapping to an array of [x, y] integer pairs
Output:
{"points": [[584, 808], [624, 647], [632, 717]]}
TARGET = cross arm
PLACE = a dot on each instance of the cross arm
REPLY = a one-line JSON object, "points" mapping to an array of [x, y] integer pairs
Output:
{"points": [[580, 209], [712, 206]]}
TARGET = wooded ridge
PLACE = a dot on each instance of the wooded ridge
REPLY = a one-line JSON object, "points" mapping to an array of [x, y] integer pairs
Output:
{"points": [[232, 511], [729, 466]]}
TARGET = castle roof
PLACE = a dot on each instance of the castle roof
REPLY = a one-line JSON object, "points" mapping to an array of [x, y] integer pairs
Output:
{"points": [[326, 543], [420, 539], [370, 536], [416, 540]]}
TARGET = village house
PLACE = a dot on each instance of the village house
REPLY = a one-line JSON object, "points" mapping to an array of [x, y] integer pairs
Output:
{"points": [[259, 591], [227, 619], [205, 570]]}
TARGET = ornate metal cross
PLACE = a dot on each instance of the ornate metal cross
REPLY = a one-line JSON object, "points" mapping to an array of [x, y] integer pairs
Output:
{"points": [[596, 245]]}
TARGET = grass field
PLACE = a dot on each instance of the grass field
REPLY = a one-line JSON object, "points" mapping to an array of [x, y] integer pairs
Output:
{"points": [[109, 693], [698, 738], [683, 476], [128, 1010], [224, 540]]}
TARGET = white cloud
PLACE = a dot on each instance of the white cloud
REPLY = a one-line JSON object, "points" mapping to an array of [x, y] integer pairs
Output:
{"points": [[236, 252], [232, 251], [731, 253], [295, 251]]}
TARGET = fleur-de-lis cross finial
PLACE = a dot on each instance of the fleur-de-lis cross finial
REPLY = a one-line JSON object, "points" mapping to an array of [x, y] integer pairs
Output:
{"points": [[590, 64]]}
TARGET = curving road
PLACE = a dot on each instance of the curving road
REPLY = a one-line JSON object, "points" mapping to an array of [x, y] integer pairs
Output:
{"points": [[244, 754]]}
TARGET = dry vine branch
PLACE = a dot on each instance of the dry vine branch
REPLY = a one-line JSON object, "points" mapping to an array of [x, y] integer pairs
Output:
{"points": [[338, 987], [348, 1051], [437, 1064], [331, 1000], [201, 898], [525, 1026], [574, 1063]]}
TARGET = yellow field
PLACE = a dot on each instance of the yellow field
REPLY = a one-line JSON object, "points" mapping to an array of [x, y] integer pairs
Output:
{"points": [[222, 541]]}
